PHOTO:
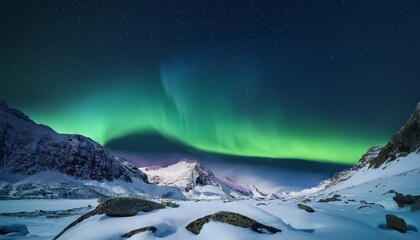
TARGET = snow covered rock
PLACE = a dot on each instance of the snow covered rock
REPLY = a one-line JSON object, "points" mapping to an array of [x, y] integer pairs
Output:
{"points": [[305, 207], [231, 218], [125, 206], [169, 204], [116, 207], [139, 230]]}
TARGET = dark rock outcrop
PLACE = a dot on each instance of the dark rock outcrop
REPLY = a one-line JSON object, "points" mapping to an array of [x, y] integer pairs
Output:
{"points": [[396, 223], [116, 207], [331, 199], [405, 141], [403, 200], [306, 208], [169, 204], [125, 207], [139, 230], [231, 218]]}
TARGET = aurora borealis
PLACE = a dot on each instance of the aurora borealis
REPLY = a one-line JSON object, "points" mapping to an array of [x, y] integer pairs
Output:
{"points": [[312, 80]]}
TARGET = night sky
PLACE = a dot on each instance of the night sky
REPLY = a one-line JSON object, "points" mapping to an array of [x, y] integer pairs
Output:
{"points": [[312, 80]]}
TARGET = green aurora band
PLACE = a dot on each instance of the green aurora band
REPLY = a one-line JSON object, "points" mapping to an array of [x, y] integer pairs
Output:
{"points": [[186, 107]]}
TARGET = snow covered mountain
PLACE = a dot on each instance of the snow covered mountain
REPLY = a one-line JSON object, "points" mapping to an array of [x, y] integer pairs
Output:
{"points": [[36, 161], [394, 167], [200, 182]]}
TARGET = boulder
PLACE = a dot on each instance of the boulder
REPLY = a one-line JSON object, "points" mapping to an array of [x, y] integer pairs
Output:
{"points": [[126, 206], [231, 218], [169, 204], [139, 230], [14, 228], [261, 204], [396, 223], [305, 207], [116, 207]]}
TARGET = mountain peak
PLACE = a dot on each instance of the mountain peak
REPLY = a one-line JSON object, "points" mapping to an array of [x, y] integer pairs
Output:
{"points": [[5, 109], [188, 161], [184, 174], [405, 141]]}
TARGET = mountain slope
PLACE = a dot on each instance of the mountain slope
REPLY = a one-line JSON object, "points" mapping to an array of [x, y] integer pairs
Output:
{"points": [[394, 167], [28, 149]]}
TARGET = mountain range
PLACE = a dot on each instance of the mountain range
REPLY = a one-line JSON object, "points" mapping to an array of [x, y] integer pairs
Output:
{"points": [[37, 162]]}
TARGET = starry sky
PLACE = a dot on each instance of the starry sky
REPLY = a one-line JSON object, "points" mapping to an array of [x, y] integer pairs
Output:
{"points": [[312, 80]]}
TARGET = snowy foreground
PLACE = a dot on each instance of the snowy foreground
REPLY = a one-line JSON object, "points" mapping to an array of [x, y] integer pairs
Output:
{"points": [[329, 221], [359, 214]]}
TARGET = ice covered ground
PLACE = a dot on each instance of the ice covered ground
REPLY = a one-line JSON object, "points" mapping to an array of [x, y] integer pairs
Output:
{"points": [[330, 221]]}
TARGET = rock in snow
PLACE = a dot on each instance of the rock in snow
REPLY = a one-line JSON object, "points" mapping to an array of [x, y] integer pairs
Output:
{"points": [[125, 207], [394, 222], [331, 199], [231, 218], [116, 207], [139, 230], [306, 208], [169, 204], [403, 200]]}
